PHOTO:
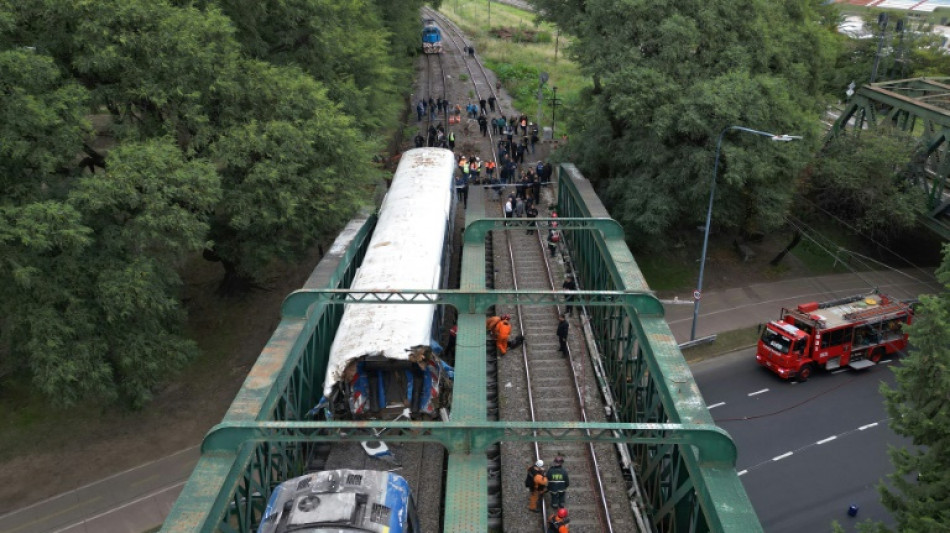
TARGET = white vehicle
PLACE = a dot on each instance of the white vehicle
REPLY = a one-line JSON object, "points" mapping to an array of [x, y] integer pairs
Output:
{"points": [[381, 361]]}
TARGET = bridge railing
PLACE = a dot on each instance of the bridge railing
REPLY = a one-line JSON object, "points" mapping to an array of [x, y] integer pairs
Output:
{"points": [[649, 380], [685, 465], [228, 489]]}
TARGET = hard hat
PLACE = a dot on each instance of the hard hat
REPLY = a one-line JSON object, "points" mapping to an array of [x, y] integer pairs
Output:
{"points": [[562, 513], [539, 464]]}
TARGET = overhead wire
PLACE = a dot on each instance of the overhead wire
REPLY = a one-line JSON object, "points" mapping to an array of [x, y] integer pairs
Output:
{"points": [[862, 234]]}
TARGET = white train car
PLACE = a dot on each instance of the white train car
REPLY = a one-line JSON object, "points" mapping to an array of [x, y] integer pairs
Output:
{"points": [[381, 361]]}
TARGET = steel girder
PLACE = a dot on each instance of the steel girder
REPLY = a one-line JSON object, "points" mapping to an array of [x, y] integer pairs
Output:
{"points": [[685, 464], [920, 106], [650, 381]]}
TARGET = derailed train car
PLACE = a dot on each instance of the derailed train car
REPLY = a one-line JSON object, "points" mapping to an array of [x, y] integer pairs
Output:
{"points": [[342, 500], [431, 38], [384, 359]]}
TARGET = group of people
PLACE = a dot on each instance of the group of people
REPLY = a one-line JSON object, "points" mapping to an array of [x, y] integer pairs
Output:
{"points": [[431, 107], [498, 329], [553, 481]]}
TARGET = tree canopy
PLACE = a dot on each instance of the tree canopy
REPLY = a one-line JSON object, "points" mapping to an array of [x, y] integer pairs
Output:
{"points": [[862, 176], [668, 78], [136, 134], [920, 497]]}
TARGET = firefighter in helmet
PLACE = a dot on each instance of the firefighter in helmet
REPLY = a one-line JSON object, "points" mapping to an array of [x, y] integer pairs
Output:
{"points": [[557, 522], [538, 485]]}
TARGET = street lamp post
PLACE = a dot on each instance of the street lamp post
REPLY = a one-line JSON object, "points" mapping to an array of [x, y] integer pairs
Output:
{"points": [[697, 294]]}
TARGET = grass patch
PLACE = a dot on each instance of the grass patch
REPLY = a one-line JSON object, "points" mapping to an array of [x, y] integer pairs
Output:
{"points": [[664, 273], [725, 342], [518, 49], [826, 252]]}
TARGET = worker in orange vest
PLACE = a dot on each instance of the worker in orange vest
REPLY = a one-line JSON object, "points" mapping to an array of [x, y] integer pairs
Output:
{"points": [[557, 522], [500, 330], [537, 483]]}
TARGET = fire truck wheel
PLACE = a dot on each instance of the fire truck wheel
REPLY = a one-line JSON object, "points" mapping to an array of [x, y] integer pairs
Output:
{"points": [[876, 355], [805, 372]]}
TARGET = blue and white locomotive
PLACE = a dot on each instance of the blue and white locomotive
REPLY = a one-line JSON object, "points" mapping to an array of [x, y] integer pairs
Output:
{"points": [[342, 500], [431, 38], [383, 361]]}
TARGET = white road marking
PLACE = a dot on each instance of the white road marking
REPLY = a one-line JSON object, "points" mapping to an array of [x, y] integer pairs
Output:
{"points": [[810, 445], [715, 405], [839, 371], [884, 362], [758, 392], [744, 472]]}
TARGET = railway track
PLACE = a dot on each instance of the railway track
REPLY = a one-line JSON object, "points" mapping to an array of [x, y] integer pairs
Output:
{"points": [[535, 382]]}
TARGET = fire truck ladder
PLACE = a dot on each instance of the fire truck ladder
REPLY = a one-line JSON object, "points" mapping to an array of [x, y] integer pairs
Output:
{"points": [[842, 301], [873, 312]]}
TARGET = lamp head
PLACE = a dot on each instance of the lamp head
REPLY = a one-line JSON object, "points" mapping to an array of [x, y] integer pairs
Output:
{"points": [[786, 138]]}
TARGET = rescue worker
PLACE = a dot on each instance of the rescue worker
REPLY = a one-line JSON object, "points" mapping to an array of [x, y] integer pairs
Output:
{"points": [[538, 485], [562, 326], [553, 238], [558, 481], [570, 285], [557, 522], [502, 332], [475, 168]]}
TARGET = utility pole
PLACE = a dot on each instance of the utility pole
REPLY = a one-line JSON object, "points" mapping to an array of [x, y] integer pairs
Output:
{"points": [[557, 41], [882, 23], [555, 101], [542, 79]]}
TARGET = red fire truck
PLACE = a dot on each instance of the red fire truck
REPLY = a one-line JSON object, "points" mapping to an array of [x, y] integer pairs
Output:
{"points": [[853, 332]]}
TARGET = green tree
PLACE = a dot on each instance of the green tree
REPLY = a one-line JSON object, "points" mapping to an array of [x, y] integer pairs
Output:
{"points": [[294, 169], [668, 80], [42, 126], [95, 297], [920, 497], [344, 45], [177, 71], [868, 180]]}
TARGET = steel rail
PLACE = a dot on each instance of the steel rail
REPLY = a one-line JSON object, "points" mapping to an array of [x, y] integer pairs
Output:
{"points": [[592, 454], [448, 25]]}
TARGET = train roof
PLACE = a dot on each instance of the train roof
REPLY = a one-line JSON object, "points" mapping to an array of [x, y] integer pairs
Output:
{"points": [[334, 497], [405, 252], [859, 309]]}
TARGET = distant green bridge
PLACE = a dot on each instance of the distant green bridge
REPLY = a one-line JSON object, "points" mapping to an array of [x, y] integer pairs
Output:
{"points": [[685, 464], [921, 107]]}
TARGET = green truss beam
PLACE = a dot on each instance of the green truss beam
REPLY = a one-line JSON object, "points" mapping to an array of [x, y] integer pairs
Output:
{"points": [[714, 447]]}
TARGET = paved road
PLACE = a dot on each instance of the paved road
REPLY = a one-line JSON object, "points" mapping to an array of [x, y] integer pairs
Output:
{"points": [[806, 450], [139, 499], [131, 501]]}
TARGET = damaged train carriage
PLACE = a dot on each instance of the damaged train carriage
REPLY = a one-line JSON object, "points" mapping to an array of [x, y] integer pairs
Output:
{"points": [[384, 359]]}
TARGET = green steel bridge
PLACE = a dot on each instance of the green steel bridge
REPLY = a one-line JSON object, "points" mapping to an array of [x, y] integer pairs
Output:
{"points": [[920, 107], [685, 464]]}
